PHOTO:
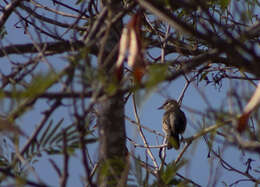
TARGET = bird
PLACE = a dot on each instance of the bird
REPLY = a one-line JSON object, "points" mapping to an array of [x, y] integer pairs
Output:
{"points": [[173, 123]]}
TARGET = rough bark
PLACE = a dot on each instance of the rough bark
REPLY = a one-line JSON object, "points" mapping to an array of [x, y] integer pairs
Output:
{"points": [[112, 148]]}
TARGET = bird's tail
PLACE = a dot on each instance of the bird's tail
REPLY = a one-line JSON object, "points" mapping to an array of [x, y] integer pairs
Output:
{"points": [[173, 141]]}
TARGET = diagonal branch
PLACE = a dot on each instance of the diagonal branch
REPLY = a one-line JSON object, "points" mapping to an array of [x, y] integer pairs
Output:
{"points": [[51, 21], [234, 50], [142, 135], [50, 47], [8, 11]]}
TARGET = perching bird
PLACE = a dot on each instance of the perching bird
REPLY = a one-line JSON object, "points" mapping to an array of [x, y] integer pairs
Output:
{"points": [[173, 123]]}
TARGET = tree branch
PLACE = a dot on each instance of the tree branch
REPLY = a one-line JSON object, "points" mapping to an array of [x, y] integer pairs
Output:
{"points": [[8, 11], [48, 47]]}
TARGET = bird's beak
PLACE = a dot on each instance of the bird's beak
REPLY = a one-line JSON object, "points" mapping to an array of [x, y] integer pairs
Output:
{"points": [[161, 107]]}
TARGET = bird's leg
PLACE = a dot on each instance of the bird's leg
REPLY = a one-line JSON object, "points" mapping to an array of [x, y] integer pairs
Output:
{"points": [[165, 139], [182, 139], [162, 152]]}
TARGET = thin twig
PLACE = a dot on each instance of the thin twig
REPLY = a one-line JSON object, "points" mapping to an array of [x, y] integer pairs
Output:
{"points": [[8, 11], [182, 152], [188, 180], [55, 166], [144, 127], [65, 173], [58, 12], [184, 90], [143, 146], [142, 135], [189, 140], [228, 167], [164, 43], [50, 21], [8, 173], [38, 129]]}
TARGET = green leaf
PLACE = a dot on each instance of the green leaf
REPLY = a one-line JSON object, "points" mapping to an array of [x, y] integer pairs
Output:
{"points": [[71, 129], [169, 173], [3, 161], [203, 76], [51, 133], [79, 1], [224, 4], [156, 74], [138, 171], [42, 138], [111, 88], [40, 84], [54, 151], [3, 32]]}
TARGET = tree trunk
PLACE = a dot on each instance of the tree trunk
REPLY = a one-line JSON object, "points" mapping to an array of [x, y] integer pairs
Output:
{"points": [[111, 123], [112, 149]]}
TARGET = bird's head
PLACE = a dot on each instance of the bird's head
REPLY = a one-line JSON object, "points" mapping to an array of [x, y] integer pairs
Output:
{"points": [[169, 104]]}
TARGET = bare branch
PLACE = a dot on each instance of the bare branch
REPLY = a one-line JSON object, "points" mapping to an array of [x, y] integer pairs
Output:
{"points": [[8, 11], [48, 47], [142, 135]]}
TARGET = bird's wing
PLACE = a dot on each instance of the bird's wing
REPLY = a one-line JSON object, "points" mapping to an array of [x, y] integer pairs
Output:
{"points": [[184, 120], [172, 120], [167, 123], [181, 122]]}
